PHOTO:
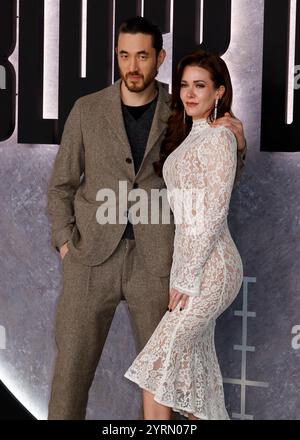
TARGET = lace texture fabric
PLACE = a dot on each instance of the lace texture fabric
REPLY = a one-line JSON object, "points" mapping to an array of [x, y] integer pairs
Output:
{"points": [[179, 364]]}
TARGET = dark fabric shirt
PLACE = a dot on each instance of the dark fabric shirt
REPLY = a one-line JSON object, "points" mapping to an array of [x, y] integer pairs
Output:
{"points": [[138, 121]]}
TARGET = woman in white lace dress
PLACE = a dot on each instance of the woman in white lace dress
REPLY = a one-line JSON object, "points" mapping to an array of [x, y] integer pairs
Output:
{"points": [[178, 368]]}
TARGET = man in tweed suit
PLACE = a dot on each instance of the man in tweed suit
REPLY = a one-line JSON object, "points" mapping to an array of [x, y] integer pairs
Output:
{"points": [[110, 136]]}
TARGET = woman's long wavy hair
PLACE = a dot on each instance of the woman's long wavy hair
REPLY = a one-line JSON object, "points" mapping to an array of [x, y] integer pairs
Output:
{"points": [[177, 129]]}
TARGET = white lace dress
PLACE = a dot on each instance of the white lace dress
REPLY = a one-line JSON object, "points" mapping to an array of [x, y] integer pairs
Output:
{"points": [[179, 364]]}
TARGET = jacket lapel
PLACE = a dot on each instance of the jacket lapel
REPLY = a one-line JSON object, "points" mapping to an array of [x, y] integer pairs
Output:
{"points": [[114, 117], [159, 122]]}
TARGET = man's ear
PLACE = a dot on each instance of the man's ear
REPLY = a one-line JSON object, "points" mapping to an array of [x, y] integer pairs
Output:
{"points": [[161, 58]]}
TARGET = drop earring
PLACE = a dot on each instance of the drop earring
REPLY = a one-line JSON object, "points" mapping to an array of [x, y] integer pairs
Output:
{"points": [[184, 117], [216, 109]]}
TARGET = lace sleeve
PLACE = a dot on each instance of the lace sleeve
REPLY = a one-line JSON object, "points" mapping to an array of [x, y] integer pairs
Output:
{"points": [[210, 172]]}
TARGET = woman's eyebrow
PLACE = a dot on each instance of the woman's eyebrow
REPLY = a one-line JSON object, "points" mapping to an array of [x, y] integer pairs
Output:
{"points": [[196, 81]]}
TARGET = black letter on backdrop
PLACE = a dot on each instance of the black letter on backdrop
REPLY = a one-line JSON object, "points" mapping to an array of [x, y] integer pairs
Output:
{"points": [[276, 135], [7, 72], [216, 27], [32, 127]]}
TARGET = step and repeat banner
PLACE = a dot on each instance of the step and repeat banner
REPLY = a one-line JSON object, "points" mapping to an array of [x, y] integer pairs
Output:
{"points": [[54, 51]]}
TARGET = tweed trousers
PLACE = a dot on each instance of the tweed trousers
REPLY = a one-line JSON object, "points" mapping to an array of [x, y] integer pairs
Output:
{"points": [[85, 309]]}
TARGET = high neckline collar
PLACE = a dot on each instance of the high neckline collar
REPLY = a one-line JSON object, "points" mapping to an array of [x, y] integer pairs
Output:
{"points": [[200, 123]]}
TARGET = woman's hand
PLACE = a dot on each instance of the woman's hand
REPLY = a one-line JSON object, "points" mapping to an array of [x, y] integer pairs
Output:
{"points": [[236, 126], [64, 250], [175, 297]]}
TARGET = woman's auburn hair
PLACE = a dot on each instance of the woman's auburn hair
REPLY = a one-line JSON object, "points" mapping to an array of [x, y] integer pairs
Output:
{"points": [[177, 129]]}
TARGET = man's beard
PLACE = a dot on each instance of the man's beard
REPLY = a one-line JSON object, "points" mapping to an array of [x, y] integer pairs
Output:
{"points": [[137, 88]]}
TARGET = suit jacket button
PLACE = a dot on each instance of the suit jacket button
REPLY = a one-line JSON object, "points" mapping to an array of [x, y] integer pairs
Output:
{"points": [[128, 160]]}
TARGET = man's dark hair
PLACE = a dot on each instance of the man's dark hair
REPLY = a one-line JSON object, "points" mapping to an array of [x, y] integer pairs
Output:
{"points": [[140, 25]]}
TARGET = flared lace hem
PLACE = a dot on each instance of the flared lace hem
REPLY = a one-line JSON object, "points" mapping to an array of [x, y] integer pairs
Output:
{"points": [[183, 411]]}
